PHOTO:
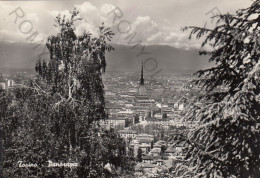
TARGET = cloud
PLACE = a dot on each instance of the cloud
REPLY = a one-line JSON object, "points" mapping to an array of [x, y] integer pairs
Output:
{"points": [[92, 17], [146, 28], [143, 27], [61, 13], [106, 8], [167, 37], [150, 32], [86, 8], [20, 30], [158, 23], [34, 18], [6, 35], [175, 39]]}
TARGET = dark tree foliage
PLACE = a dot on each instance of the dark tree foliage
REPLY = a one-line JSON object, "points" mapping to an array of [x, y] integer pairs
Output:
{"points": [[139, 155], [128, 122], [55, 117], [152, 145], [163, 149], [164, 116], [226, 140], [5, 100], [136, 119]]}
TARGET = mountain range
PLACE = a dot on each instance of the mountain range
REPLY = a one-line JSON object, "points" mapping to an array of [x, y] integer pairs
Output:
{"points": [[22, 56]]}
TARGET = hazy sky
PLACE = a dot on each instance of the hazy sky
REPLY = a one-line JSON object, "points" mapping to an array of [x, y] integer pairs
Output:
{"points": [[154, 21]]}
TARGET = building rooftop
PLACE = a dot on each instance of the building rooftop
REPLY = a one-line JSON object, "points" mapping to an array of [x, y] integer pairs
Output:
{"points": [[127, 131], [113, 106], [138, 168], [148, 157], [155, 151], [113, 118], [170, 150], [148, 165]]}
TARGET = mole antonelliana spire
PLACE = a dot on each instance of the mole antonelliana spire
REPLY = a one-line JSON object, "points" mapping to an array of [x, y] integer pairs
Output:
{"points": [[142, 99], [142, 75], [142, 89]]}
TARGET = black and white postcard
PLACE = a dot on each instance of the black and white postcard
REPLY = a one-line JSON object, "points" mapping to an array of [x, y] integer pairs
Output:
{"points": [[129, 88]]}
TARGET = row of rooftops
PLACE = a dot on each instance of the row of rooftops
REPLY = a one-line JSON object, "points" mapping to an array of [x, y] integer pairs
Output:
{"points": [[142, 166], [126, 131], [153, 162], [151, 119], [154, 158], [6, 83]]}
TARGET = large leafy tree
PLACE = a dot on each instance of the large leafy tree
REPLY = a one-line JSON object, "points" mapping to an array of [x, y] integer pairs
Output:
{"points": [[226, 140], [55, 117], [5, 100]]}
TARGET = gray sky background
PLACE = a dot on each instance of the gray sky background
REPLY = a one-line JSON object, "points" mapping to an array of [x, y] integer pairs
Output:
{"points": [[154, 21]]}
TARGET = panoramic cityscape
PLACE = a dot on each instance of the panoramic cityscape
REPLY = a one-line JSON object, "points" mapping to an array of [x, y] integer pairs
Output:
{"points": [[112, 88], [146, 113]]}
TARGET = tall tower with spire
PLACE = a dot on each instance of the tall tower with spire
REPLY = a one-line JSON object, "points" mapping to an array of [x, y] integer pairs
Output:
{"points": [[142, 89], [142, 75], [142, 101]]}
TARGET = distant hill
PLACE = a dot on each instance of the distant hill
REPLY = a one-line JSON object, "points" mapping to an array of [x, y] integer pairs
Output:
{"points": [[168, 58], [22, 56]]}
